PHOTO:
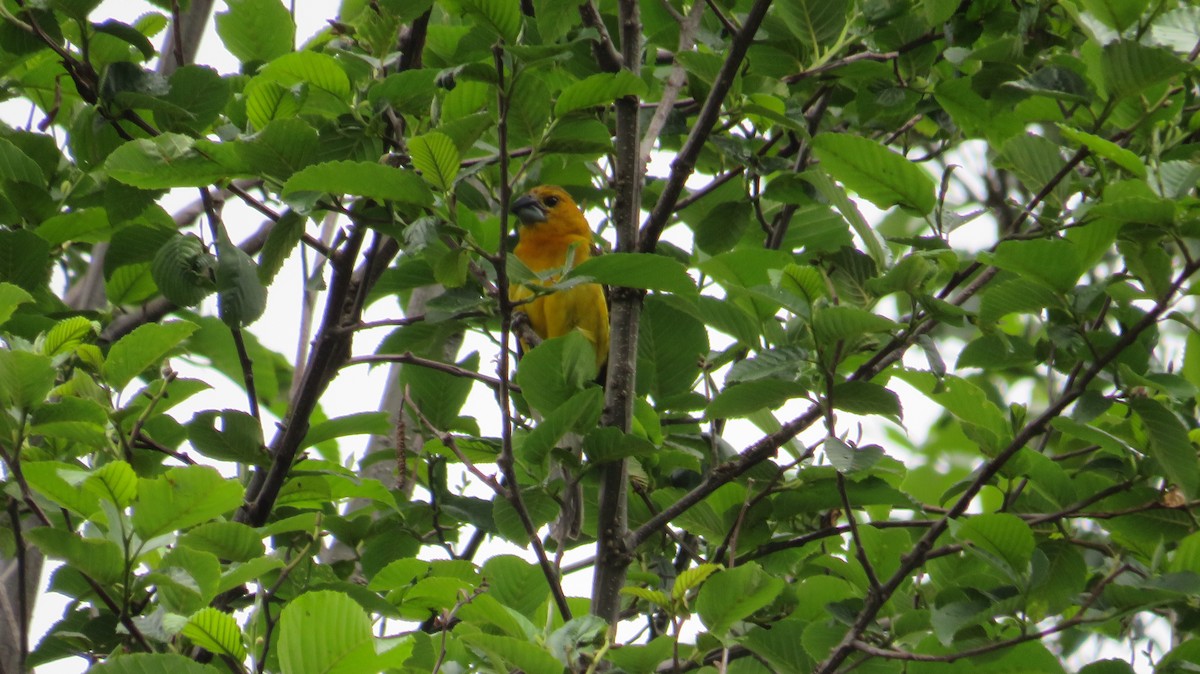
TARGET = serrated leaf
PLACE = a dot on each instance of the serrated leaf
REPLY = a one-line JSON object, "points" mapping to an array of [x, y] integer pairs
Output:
{"points": [[1004, 537], [231, 541], [215, 631], [1169, 444], [841, 323], [169, 160], [1128, 67], [746, 398], [241, 296], [864, 397], [142, 348], [436, 157], [18, 167], [325, 631], [691, 578], [99, 559], [520, 653], [361, 179], [184, 270], [501, 16], [598, 89], [1102, 147], [734, 594], [182, 498], [256, 30], [637, 270], [877, 173], [11, 297], [114, 482]]}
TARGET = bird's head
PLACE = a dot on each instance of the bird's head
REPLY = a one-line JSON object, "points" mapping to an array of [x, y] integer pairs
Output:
{"points": [[550, 204]]}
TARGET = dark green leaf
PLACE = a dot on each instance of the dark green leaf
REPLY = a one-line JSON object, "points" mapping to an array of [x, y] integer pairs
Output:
{"points": [[879, 174]]}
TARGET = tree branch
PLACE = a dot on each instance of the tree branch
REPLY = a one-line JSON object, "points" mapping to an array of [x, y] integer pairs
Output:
{"points": [[685, 162]]}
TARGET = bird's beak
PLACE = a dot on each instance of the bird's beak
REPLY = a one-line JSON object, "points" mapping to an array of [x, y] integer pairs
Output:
{"points": [[529, 210]]}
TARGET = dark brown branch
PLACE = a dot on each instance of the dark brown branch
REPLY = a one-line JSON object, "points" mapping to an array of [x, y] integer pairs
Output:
{"points": [[685, 162], [606, 52], [874, 602], [408, 358]]}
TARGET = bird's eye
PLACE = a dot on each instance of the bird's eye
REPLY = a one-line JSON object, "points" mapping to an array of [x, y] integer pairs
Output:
{"points": [[551, 201]]}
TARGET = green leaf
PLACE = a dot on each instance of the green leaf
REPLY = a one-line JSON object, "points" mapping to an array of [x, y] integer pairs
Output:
{"points": [[74, 419], [965, 401], [879, 174], [98, 559], [814, 23], [734, 594], [324, 632], [1002, 537], [171, 160], [18, 167], [1054, 262], [281, 148], [256, 30], [516, 583], [1116, 14], [184, 270], [182, 498], [114, 482], [596, 90], [864, 397], [25, 379], [520, 653], [217, 632], [24, 260], [282, 240], [1055, 82], [1128, 67], [11, 297], [440, 395], [555, 370], [604, 445], [1169, 444], [637, 270], [720, 229], [780, 644], [851, 460], [362, 423], [1102, 147], [233, 541], [150, 663], [501, 16], [201, 93], [142, 348], [670, 346], [576, 415], [744, 399], [361, 179], [241, 296], [1015, 296], [239, 438], [59, 482], [843, 323], [436, 157]]}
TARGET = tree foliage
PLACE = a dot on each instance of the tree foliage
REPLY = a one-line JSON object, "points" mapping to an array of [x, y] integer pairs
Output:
{"points": [[868, 210]]}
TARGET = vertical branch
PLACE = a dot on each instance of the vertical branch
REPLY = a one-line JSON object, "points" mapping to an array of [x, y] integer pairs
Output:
{"points": [[506, 461], [612, 555]]}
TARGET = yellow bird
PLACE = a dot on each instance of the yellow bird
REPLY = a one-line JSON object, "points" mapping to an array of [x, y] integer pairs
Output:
{"points": [[551, 224], [552, 227]]}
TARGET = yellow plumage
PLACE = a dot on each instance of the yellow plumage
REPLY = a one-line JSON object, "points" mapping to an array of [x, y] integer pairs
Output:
{"points": [[551, 224]]}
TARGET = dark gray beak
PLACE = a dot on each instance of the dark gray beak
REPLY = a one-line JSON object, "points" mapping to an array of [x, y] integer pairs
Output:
{"points": [[529, 210]]}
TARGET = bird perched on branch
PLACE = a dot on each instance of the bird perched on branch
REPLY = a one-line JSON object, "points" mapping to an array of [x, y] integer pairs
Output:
{"points": [[553, 227]]}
